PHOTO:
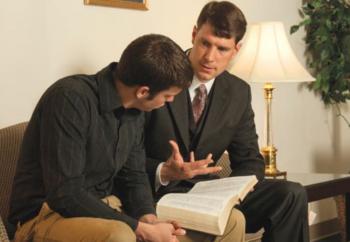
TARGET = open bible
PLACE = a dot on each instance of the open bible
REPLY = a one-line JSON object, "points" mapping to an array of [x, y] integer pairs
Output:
{"points": [[207, 206]]}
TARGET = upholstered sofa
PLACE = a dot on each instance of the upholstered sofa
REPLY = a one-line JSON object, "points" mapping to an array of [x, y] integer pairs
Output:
{"points": [[10, 142]]}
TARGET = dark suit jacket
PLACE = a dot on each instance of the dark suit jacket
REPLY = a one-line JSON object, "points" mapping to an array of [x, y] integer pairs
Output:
{"points": [[229, 125]]}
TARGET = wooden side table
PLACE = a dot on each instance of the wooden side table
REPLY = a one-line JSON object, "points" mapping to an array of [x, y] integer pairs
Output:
{"points": [[323, 185]]}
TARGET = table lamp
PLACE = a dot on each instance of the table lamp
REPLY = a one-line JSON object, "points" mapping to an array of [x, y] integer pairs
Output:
{"points": [[267, 57]]}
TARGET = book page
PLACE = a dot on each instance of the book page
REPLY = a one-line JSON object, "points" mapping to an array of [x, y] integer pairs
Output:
{"points": [[224, 187], [186, 201]]}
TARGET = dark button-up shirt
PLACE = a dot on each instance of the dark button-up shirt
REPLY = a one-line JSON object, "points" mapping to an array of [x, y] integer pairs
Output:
{"points": [[80, 146]]}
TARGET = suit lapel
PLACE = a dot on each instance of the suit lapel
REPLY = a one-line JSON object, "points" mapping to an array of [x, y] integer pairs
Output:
{"points": [[217, 107], [179, 110]]}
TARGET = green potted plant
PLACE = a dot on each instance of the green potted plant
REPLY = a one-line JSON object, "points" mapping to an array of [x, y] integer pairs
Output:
{"points": [[327, 25]]}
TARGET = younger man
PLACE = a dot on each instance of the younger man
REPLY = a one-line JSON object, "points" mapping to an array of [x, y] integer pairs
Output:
{"points": [[83, 148]]}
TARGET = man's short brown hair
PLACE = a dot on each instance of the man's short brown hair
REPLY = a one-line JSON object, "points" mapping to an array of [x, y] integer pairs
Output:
{"points": [[155, 61], [226, 18]]}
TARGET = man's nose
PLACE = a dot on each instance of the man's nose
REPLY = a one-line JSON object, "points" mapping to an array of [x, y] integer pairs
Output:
{"points": [[210, 54]]}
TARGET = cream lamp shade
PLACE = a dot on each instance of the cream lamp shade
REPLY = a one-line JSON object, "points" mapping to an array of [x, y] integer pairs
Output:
{"points": [[266, 56]]}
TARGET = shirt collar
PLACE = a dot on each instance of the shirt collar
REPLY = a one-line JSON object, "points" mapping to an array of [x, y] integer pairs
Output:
{"points": [[110, 100], [108, 94], [196, 82]]}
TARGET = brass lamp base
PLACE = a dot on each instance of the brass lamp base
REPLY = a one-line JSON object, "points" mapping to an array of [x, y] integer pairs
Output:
{"points": [[269, 154]]}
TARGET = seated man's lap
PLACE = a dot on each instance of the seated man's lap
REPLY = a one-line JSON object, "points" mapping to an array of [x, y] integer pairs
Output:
{"points": [[270, 197], [50, 226]]}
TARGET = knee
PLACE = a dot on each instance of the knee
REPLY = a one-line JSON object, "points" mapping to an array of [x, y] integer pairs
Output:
{"points": [[297, 191], [296, 194], [119, 232], [236, 220]]}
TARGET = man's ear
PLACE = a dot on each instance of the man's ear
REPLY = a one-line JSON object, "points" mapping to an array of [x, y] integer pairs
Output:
{"points": [[238, 46], [236, 49], [142, 92], [194, 33]]}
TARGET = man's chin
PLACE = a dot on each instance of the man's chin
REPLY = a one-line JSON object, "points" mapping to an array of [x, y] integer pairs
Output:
{"points": [[205, 76]]}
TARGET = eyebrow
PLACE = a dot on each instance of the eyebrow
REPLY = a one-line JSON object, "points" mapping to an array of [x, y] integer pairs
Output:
{"points": [[203, 39]]}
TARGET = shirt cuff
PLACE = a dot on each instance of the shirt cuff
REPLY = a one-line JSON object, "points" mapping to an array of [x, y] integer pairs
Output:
{"points": [[158, 180]]}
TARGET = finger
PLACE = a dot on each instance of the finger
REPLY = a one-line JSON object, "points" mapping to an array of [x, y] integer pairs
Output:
{"points": [[179, 232], [209, 156], [207, 160], [174, 146], [191, 156], [175, 151], [207, 170], [171, 227], [198, 164], [175, 224]]}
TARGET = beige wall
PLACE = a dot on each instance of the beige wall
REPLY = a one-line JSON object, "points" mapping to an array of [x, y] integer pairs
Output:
{"points": [[43, 40]]}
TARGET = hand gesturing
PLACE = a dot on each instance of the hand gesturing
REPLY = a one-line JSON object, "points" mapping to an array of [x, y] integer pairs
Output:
{"points": [[176, 169]]}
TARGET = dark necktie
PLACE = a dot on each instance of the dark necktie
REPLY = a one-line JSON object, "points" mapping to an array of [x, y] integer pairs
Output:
{"points": [[198, 102]]}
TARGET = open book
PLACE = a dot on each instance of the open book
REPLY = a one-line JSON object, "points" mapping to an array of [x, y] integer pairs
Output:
{"points": [[207, 206]]}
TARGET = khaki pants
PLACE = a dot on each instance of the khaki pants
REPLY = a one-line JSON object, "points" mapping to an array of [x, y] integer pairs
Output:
{"points": [[49, 226], [234, 231]]}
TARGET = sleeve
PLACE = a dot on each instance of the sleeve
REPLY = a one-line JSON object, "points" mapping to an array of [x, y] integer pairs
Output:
{"points": [[151, 168], [158, 179], [152, 164], [64, 130], [132, 180], [244, 151]]}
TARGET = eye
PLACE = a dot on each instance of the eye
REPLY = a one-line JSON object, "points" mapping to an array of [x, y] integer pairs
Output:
{"points": [[223, 49], [205, 43]]}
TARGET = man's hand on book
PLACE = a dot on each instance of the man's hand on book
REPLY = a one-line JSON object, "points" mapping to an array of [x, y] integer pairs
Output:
{"points": [[176, 169], [158, 232]]}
